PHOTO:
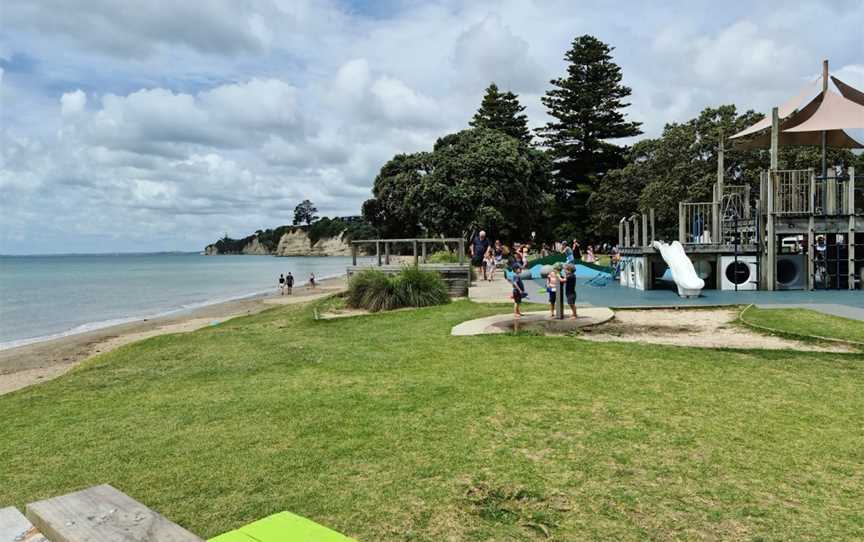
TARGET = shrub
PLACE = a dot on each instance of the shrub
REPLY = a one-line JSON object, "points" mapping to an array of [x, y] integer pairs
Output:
{"points": [[443, 256], [375, 291], [418, 288]]}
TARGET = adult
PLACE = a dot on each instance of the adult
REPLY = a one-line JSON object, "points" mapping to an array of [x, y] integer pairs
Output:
{"points": [[570, 287], [289, 283], [577, 250], [312, 281], [478, 248], [281, 284], [568, 254]]}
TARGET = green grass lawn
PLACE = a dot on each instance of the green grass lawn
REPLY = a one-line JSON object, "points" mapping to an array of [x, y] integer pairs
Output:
{"points": [[386, 428], [806, 322]]}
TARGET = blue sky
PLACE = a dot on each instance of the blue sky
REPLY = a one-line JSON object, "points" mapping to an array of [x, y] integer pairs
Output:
{"points": [[130, 126]]}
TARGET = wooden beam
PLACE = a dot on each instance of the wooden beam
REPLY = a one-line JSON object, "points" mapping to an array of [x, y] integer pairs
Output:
{"points": [[771, 237], [14, 527], [378, 252], [850, 244], [416, 254], [682, 231], [103, 514], [386, 252], [627, 233]]}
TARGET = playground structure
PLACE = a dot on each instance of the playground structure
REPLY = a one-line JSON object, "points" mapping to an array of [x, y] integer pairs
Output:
{"points": [[793, 230]]}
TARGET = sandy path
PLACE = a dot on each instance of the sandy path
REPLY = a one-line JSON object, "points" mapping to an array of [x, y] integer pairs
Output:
{"points": [[40, 362], [705, 328]]}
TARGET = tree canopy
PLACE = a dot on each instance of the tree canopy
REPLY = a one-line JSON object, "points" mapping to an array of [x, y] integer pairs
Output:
{"points": [[305, 212], [476, 178], [502, 111], [586, 106]]}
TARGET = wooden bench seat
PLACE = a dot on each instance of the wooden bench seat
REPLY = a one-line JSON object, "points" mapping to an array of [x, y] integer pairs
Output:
{"points": [[14, 527], [103, 514]]}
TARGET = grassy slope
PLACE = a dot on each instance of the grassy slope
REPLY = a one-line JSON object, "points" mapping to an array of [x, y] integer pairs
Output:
{"points": [[806, 322], [386, 428]]}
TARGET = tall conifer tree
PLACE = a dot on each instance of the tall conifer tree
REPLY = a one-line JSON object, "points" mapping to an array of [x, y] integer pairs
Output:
{"points": [[502, 111], [586, 107]]}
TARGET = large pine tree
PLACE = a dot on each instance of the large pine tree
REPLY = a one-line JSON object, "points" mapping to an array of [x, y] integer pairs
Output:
{"points": [[502, 111], [586, 106]]}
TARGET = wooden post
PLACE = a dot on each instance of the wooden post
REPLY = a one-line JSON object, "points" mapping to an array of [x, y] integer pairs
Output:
{"points": [[354, 254], [635, 231], [811, 253], [682, 232], [775, 139], [386, 252], [850, 252], [423, 249], [416, 254], [378, 252], [824, 133], [627, 232], [644, 230], [771, 237], [715, 216], [721, 166], [651, 218], [462, 252], [621, 233], [812, 200]]}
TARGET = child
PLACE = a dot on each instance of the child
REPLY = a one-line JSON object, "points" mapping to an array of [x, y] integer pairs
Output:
{"points": [[489, 261], [518, 291], [552, 280], [312, 281], [570, 287]]}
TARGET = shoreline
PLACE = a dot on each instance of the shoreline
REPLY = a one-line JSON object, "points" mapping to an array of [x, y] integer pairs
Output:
{"points": [[28, 364]]}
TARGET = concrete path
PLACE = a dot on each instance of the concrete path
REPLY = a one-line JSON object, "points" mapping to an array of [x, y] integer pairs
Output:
{"points": [[834, 309], [503, 323], [496, 291]]}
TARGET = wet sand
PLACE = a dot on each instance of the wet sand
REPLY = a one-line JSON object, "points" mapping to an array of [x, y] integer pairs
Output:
{"points": [[39, 362]]}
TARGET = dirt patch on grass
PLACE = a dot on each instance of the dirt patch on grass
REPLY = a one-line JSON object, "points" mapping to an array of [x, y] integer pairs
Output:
{"points": [[706, 328]]}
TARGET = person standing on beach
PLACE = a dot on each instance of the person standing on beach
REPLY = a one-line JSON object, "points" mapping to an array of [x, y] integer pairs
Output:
{"points": [[289, 283], [312, 281], [282, 284]]}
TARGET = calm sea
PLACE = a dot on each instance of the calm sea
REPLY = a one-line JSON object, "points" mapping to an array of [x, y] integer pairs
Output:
{"points": [[43, 297]]}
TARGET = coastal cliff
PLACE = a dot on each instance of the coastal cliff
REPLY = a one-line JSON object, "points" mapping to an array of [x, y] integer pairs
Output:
{"points": [[298, 243], [291, 242]]}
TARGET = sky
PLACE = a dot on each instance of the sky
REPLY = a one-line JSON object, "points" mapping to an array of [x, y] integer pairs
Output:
{"points": [[130, 126]]}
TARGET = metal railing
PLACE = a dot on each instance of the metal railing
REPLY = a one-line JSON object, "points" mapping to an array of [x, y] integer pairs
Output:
{"points": [[418, 248]]}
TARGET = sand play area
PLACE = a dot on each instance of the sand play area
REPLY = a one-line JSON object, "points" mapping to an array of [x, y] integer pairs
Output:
{"points": [[706, 328]]}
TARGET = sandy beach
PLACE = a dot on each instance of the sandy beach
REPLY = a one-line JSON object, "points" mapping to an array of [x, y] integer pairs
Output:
{"points": [[39, 362]]}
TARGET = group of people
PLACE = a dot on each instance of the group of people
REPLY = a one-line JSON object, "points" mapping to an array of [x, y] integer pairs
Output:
{"points": [[286, 283], [487, 257], [557, 283]]}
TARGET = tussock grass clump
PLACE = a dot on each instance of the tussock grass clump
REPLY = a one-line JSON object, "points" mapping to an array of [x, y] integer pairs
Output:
{"points": [[375, 290]]}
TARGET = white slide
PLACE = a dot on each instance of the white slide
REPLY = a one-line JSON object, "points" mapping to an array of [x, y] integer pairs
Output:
{"points": [[683, 273]]}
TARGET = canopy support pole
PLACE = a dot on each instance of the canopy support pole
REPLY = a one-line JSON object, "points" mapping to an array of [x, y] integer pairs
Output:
{"points": [[824, 133]]}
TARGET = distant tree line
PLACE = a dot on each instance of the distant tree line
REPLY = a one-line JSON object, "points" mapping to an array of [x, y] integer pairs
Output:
{"points": [[567, 180]]}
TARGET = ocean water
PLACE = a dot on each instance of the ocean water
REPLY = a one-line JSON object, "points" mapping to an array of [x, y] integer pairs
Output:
{"points": [[43, 297]]}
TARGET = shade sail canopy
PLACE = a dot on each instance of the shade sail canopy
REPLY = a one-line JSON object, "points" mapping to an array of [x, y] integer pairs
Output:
{"points": [[848, 92], [837, 139], [784, 111], [834, 113]]}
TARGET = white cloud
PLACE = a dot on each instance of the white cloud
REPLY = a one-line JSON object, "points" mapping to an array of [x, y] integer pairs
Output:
{"points": [[73, 102]]}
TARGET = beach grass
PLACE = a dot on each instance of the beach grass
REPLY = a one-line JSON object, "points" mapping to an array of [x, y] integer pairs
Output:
{"points": [[804, 322], [387, 428]]}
